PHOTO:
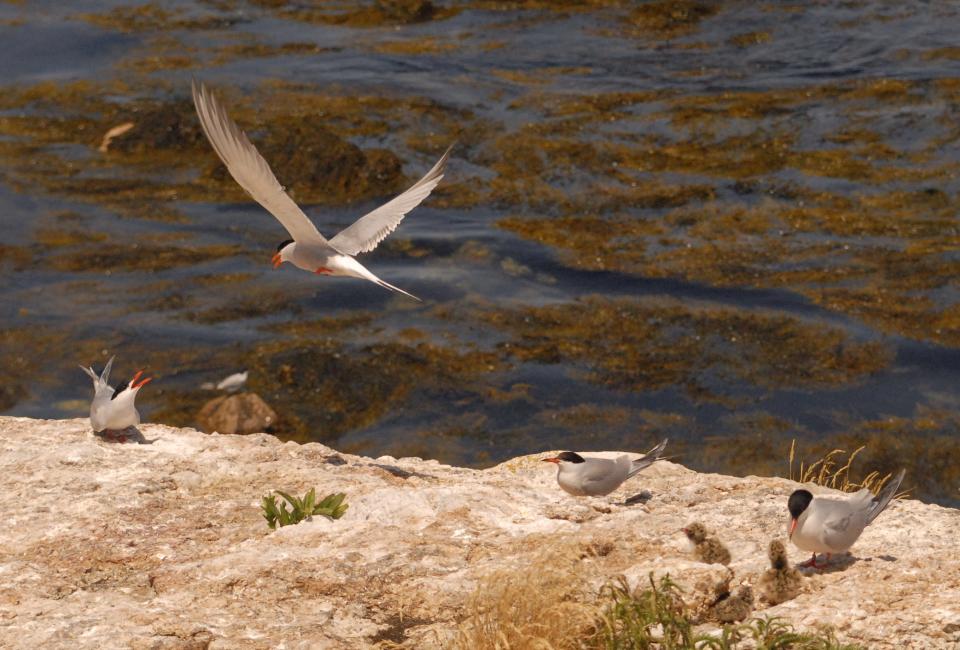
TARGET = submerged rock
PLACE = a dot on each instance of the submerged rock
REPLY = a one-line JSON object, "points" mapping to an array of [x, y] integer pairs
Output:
{"points": [[243, 413], [311, 158], [406, 11]]}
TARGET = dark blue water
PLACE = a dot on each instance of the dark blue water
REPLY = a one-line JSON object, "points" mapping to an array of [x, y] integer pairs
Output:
{"points": [[494, 64]]}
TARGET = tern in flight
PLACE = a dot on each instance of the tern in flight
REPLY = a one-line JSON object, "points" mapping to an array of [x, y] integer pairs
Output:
{"points": [[308, 249]]}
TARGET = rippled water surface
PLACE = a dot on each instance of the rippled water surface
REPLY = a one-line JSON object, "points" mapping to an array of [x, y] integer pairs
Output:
{"points": [[734, 224]]}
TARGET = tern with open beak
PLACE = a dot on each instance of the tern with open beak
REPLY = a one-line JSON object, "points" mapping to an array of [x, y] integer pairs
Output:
{"points": [[597, 477], [112, 410], [307, 248], [826, 524]]}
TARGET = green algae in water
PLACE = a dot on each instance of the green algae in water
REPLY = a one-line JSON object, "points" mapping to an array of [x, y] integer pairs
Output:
{"points": [[626, 344]]}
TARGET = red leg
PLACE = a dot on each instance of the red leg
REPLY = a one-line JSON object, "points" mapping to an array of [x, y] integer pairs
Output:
{"points": [[811, 562], [323, 271]]}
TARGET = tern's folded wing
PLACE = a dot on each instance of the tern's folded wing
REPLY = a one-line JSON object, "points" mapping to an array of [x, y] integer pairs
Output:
{"points": [[248, 167], [842, 524], [369, 230]]}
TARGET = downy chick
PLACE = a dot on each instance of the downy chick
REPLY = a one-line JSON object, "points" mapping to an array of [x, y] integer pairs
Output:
{"points": [[735, 607], [707, 549], [781, 582]]}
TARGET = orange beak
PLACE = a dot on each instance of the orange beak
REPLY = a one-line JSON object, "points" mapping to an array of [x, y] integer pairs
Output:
{"points": [[135, 385], [793, 525], [552, 460], [276, 260]]}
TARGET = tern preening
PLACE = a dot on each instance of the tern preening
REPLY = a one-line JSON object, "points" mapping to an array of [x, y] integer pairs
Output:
{"points": [[308, 249], [824, 524], [113, 410], [597, 477]]}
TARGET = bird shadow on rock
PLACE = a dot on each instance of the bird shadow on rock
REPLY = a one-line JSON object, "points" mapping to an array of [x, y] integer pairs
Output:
{"points": [[130, 434], [638, 498], [835, 565], [398, 472]]}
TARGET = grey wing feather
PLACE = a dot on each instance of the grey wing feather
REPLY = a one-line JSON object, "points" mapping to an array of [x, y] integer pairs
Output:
{"points": [[885, 496], [598, 472], [91, 374], [105, 375], [248, 167], [369, 230], [652, 456]]}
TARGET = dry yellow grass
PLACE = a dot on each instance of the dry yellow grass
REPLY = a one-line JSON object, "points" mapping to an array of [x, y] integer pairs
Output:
{"points": [[828, 472], [541, 604]]}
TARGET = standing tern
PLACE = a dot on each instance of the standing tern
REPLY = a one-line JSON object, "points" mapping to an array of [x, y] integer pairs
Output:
{"points": [[597, 477], [113, 411], [308, 249], [831, 525]]}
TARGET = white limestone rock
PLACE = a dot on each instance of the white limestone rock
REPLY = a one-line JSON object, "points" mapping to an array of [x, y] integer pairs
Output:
{"points": [[162, 545]]}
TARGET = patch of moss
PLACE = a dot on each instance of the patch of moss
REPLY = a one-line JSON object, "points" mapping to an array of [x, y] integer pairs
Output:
{"points": [[950, 53], [138, 257], [670, 18], [428, 45], [645, 346], [55, 238], [358, 386], [134, 177], [18, 257], [240, 308], [748, 39], [364, 15], [539, 75], [152, 17], [229, 53]]}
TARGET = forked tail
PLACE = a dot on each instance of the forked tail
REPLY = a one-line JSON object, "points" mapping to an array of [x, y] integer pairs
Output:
{"points": [[885, 496], [387, 285], [652, 456]]}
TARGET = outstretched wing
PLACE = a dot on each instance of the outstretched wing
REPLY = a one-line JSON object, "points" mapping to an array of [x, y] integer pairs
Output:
{"points": [[369, 230], [248, 167]]}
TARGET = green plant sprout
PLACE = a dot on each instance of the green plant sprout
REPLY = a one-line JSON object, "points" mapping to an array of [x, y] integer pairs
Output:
{"points": [[332, 507]]}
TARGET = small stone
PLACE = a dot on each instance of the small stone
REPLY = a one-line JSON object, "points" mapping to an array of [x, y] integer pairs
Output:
{"points": [[243, 413]]}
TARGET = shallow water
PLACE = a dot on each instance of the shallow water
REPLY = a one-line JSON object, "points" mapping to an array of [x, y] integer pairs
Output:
{"points": [[805, 288]]}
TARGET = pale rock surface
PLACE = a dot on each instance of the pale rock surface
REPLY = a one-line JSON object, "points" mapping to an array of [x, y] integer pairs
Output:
{"points": [[162, 545]]}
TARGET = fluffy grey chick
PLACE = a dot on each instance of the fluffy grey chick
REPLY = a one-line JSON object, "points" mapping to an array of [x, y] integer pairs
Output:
{"points": [[707, 549], [781, 582], [735, 607]]}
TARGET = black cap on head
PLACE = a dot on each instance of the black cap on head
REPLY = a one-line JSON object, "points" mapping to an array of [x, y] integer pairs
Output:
{"points": [[283, 244], [798, 502], [570, 457]]}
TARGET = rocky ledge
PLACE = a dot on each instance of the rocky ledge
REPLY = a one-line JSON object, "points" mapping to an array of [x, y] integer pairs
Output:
{"points": [[162, 545]]}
